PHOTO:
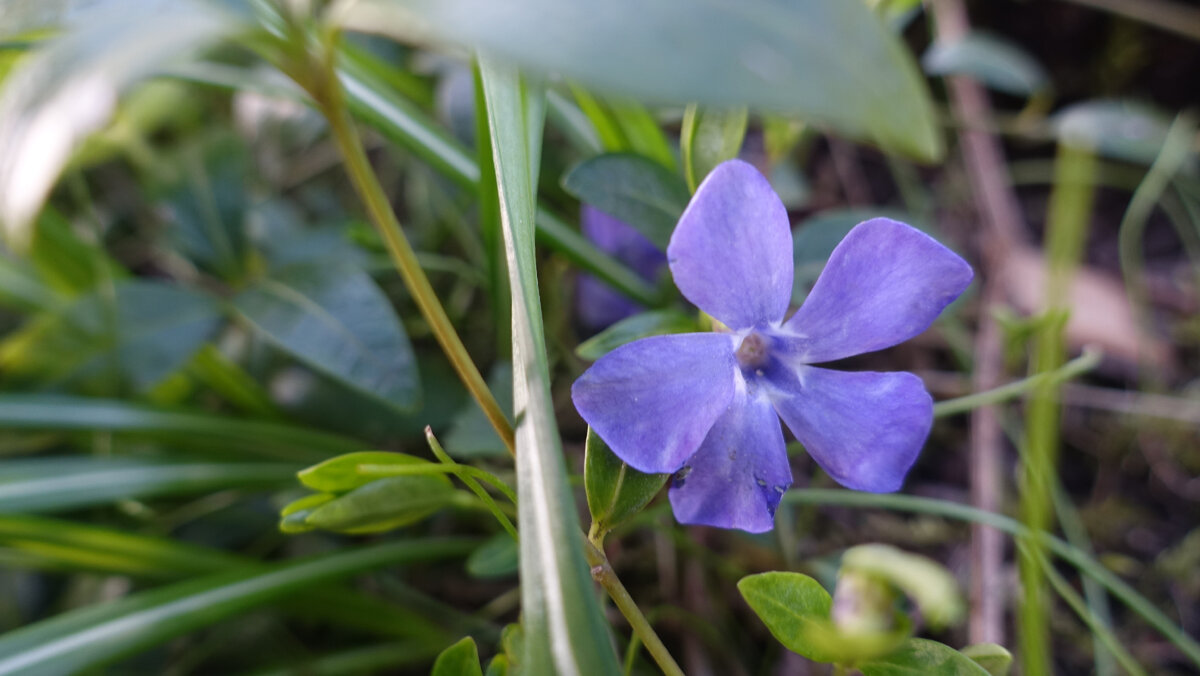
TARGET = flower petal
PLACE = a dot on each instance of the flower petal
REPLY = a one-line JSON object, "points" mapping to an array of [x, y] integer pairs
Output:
{"points": [[885, 283], [731, 254], [654, 399], [864, 429], [739, 474]]}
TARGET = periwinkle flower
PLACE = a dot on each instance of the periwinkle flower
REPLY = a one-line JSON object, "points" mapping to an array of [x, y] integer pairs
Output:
{"points": [[706, 406], [599, 305]]}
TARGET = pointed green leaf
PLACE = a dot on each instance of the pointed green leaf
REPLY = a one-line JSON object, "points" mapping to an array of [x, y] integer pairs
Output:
{"points": [[336, 320], [995, 659], [615, 491], [498, 557], [921, 657], [384, 504], [460, 659], [829, 61], [340, 474], [633, 189], [564, 630], [91, 637], [710, 136], [293, 518]]}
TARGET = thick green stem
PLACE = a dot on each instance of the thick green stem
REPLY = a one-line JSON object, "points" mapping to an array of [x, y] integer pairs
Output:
{"points": [[603, 573], [330, 101]]}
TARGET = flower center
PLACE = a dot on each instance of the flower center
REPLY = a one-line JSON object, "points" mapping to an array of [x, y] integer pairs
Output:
{"points": [[752, 353]]}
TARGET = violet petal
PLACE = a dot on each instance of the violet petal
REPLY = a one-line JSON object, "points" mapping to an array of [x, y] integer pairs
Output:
{"points": [[864, 429], [653, 400], [739, 474], [885, 283], [731, 254]]}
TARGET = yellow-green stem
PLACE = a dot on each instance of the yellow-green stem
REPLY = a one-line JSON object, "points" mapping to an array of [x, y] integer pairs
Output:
{"points": [[603, 573], [329, 100]]}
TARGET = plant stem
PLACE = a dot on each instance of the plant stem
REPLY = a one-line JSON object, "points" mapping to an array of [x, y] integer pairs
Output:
{"points": [[603, 573], [1077, 366], [330, 101]]}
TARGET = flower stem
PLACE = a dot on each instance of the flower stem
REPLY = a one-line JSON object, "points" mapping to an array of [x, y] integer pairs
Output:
{"points": [[330, 101], [1078, 366], [603, 573]]}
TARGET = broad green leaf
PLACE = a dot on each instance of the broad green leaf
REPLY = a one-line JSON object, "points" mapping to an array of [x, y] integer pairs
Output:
{"points": [[57, 485], [68, 88], [1122, 130], [995, 659], [633, 189], [340, 474], [921, 657], [460, 659], [337, 321], [91, 637], [179, 426], [784, 57], [400, 121], [564, 630], [642, 325], [206, 210], [132, 339], [384, 504], [498, 557], [710, 136], [615, 491], [792, 606], [992, 60], [924, 580]]}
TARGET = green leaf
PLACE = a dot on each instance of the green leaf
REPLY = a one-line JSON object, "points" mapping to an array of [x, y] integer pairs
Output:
{"points": [[376, 659], [784, 57], [21, 288], [924, 580], [615, 491], [337, 321], [471, 435], [178, 426], [91, 637], [995, 659], [61, 484], [460, 659], [340, 474], [133, 339], [564, 630], [293, 518], [1122, 130], [68, 88], [921, 657], [633, 189], [817, 237], [642, 131], [992, 60], [207, 210], [498, 666], [793, 606], [710, 136], [67, 263], [498, 557], [653, 323], [384, 504]]}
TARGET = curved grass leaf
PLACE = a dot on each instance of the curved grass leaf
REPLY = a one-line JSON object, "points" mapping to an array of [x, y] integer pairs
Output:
{"points": [[56, 485], [564, 630], [830, 61], [336, 320], [69, 87], [97, 635], [195, 429]]}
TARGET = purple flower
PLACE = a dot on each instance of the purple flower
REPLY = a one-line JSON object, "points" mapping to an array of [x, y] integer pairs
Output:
{"points": [[706, 406], [599, 305]]}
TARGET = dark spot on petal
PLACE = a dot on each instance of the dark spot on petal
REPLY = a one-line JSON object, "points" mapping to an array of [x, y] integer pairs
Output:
{"points": [[680, 476]]}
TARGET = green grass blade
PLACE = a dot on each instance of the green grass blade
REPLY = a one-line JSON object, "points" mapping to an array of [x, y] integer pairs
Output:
{"points": [[565, 632], [97, 635], [37, 412], [54, 486]]}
